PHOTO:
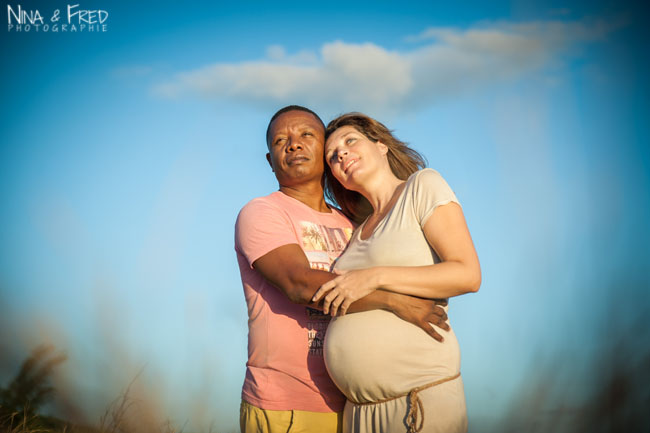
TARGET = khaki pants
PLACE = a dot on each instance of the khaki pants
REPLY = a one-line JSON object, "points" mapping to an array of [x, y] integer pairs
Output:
{"points": [[255, 420]]}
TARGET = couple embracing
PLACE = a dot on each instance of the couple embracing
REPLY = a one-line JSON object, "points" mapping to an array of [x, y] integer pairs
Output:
{"points": [[348, 306]]}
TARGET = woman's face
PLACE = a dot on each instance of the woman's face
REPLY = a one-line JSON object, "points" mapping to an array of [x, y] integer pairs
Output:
{"points": [[353, 157]]}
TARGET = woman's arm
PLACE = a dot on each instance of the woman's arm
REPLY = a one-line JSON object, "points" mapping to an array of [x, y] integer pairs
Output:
{"points": [[459, 271], [288, 269]]}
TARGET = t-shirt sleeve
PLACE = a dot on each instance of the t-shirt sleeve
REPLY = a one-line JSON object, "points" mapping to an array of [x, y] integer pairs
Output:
{"points": [[430, 190], [262, 227]]}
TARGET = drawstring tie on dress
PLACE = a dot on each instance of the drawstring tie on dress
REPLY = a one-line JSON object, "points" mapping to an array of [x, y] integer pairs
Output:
{"points": [[415, 404]]}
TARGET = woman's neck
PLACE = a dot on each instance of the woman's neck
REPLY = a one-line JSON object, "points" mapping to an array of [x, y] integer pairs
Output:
{"points": [[380, 191]]}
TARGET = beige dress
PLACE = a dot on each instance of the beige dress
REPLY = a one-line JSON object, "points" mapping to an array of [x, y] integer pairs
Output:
{"points": [[374, 355]]}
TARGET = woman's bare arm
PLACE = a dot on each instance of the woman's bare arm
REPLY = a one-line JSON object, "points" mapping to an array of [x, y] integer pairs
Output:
{"points": [[287, 268], [459, 271]]}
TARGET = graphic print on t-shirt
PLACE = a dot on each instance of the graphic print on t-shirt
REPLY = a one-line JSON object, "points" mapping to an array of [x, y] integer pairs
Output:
{"points": [[322, 245], [316, 332]]}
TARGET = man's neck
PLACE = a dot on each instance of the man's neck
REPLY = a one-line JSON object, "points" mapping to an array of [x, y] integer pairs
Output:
{"points": [[309, 194]]}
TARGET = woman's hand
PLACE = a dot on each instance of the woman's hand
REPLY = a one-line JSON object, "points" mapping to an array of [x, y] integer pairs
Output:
{"points": [[345, 289]]}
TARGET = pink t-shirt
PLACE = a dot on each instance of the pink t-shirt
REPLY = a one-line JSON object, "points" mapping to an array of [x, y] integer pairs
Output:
{"points": [[285, 368]]}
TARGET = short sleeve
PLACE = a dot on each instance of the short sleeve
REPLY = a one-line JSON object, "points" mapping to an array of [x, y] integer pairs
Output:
{"points": [[262, 227], [430, 190]]}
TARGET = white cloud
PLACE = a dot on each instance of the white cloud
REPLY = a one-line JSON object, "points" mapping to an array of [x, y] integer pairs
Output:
{"points": [[277, 53], [368, 77]]}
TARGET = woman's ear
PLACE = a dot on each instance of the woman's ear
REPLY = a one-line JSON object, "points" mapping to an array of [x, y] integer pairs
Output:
{"points": [[382, 147]]}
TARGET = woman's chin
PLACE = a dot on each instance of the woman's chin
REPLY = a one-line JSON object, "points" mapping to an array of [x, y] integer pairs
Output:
{"points": [[354, 179], [354, 183]]}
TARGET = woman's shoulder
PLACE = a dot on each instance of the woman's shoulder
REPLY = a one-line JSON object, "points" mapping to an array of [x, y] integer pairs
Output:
{"points": [[427, 186], [425, 176]]}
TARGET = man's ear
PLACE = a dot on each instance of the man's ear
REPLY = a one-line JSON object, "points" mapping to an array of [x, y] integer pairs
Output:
{"points": [[268, 159]]}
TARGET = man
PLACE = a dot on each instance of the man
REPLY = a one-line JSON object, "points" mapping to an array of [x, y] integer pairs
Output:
{"points": [[285, 244]]}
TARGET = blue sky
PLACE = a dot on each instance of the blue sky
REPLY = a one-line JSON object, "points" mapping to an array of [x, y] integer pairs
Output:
{"points": [[125, 156]]}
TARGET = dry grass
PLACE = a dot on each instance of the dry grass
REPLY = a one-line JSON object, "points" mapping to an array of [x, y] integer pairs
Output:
{"points": [[618, 402], [21, 401]]}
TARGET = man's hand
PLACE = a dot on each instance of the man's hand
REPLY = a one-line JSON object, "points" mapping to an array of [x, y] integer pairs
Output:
{"points": [[423, 313]]}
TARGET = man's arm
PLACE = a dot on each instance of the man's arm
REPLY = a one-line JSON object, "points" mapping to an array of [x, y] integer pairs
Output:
{"points": [[287, 268]]}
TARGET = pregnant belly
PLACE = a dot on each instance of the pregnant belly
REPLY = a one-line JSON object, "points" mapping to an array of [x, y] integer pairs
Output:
{"points": [[375, 355]]}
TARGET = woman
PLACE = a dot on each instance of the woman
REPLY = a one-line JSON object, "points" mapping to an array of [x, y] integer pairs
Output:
{"points": [[412, 239]]}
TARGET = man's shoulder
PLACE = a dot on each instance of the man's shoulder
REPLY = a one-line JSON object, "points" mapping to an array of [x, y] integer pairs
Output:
{"points": [[262, 223], [267, 202], [281, 207], [265, 211]]}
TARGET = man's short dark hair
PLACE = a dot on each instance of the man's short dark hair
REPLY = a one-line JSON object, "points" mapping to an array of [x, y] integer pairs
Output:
{"points": [[290, 108]]}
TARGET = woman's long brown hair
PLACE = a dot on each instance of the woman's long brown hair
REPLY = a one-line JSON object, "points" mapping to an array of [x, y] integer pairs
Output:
{"points": [[403, 162]]}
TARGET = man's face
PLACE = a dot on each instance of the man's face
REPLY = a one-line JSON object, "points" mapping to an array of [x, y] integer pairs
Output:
{"points": [[296, 148]]}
